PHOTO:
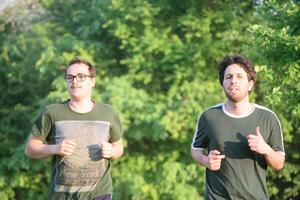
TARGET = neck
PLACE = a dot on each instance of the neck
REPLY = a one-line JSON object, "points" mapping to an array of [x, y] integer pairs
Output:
{"points": [[81, 105], [238, 108]]}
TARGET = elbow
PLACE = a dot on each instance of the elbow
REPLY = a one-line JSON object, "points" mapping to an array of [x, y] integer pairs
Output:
{"points": [[278, 167], [118, 154], [276, 161], [29, 153], [195, 154], [280, 164]]}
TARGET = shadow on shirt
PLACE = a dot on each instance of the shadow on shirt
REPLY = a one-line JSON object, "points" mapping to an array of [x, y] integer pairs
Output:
{"points": [[241, 150], [94, 152]]}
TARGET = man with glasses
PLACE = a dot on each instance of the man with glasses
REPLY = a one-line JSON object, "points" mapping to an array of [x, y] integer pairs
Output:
{"points": [[82, 136]]}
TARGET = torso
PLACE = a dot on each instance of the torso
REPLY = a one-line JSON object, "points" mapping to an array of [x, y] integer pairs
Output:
{"points": [[242, 169]]}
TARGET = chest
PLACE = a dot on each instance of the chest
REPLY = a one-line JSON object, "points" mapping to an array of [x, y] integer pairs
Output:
{"points": [[229, 136], [84, 131]]}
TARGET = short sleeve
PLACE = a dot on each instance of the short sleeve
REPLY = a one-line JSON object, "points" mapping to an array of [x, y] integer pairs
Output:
{"points": [[116, 130], [276, 137], [42, 125], [200, 139]]}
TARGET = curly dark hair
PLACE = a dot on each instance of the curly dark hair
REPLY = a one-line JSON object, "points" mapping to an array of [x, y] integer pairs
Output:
{"points": [[76, 60], [239, 59]]}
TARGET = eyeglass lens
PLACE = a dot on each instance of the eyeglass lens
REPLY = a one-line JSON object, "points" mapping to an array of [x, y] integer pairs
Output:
{"points": [[79, 77]]}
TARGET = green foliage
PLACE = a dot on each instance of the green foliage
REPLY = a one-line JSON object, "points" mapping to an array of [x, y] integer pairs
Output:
{"points": [[278, 42], [156, 64], [144, 175], [276, 47]]}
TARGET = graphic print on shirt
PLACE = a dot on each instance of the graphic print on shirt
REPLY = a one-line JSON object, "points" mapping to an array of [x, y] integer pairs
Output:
{"points": [[81, 171]]}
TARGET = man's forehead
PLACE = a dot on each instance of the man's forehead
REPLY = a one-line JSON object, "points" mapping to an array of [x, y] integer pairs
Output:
{"points": [[234, 69], [78, 67]]}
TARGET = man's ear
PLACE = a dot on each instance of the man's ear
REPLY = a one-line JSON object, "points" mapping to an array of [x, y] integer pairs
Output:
{"points": [[93, 81], [250, 85]]}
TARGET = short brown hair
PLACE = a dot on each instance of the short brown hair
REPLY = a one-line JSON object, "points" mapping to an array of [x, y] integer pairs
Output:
{"points": [[92, 69], [240, 60]]}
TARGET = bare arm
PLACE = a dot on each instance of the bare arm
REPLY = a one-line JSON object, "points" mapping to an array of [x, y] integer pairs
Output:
{"points": [[35, 148], [199, 156], [112, 150], [212, 161], [275, 159]]}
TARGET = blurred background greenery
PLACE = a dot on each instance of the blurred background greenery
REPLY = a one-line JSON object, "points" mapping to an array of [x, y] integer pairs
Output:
{"points": [[156, 63]]}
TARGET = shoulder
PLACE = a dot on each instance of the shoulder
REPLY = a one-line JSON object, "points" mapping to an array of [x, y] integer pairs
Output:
{"points": [[56, 107], [48, 112], [265, 111], [105, 107], [267, 115], [211, 112]]}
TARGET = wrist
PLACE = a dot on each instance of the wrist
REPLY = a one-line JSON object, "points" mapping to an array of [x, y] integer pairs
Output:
{"points": [[268, 150], [204, 160], [54, 149], [112, 153]]}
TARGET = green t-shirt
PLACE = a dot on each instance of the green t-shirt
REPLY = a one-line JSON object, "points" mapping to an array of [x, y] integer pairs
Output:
{"points": [[243, 172], [84, 174]]}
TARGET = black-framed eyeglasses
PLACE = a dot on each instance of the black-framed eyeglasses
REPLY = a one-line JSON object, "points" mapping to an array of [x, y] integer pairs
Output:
{"points": [[79, 77]]}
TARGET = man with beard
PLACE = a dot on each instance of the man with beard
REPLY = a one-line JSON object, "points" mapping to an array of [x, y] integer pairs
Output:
{"points": [[81, 136], [237, 140]]}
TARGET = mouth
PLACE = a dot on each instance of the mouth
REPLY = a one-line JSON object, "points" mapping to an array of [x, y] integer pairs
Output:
{"points": [[75, 87], [233, 89]]}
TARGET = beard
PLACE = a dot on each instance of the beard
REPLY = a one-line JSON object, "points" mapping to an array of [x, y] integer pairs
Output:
{"points": [[235, 95]]}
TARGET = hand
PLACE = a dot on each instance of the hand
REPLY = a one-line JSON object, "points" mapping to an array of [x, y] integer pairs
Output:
{"points": [[214, 160], [65, 147], [257, 143], [107, 150]]}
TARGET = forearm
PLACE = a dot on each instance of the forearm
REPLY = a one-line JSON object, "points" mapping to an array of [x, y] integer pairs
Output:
{"points": [[275, 159], [117, 152], [39, 150], [199, 156], [35, 148]]}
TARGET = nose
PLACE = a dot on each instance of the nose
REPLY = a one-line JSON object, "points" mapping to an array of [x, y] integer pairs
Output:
{"points": [[73, 83], [233, 80]]}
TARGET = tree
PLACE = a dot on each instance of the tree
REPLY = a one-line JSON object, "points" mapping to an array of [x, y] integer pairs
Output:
{"points": [[277, 49], [156, 63]]}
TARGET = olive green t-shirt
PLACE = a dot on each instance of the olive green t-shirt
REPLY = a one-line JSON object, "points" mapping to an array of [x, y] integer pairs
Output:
{"points": [[243, 172], [84, 174]]}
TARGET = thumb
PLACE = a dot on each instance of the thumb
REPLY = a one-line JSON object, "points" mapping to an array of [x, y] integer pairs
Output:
{"points": [[257, 131], [214, 152]]}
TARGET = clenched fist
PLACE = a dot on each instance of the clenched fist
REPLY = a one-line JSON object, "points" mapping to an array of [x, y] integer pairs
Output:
{"points": [[65, 147], [107, 150], [214, 160]]}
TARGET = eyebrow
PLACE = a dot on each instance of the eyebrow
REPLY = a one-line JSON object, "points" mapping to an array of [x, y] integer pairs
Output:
{"points": [[76, 74], [233, 74]]}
